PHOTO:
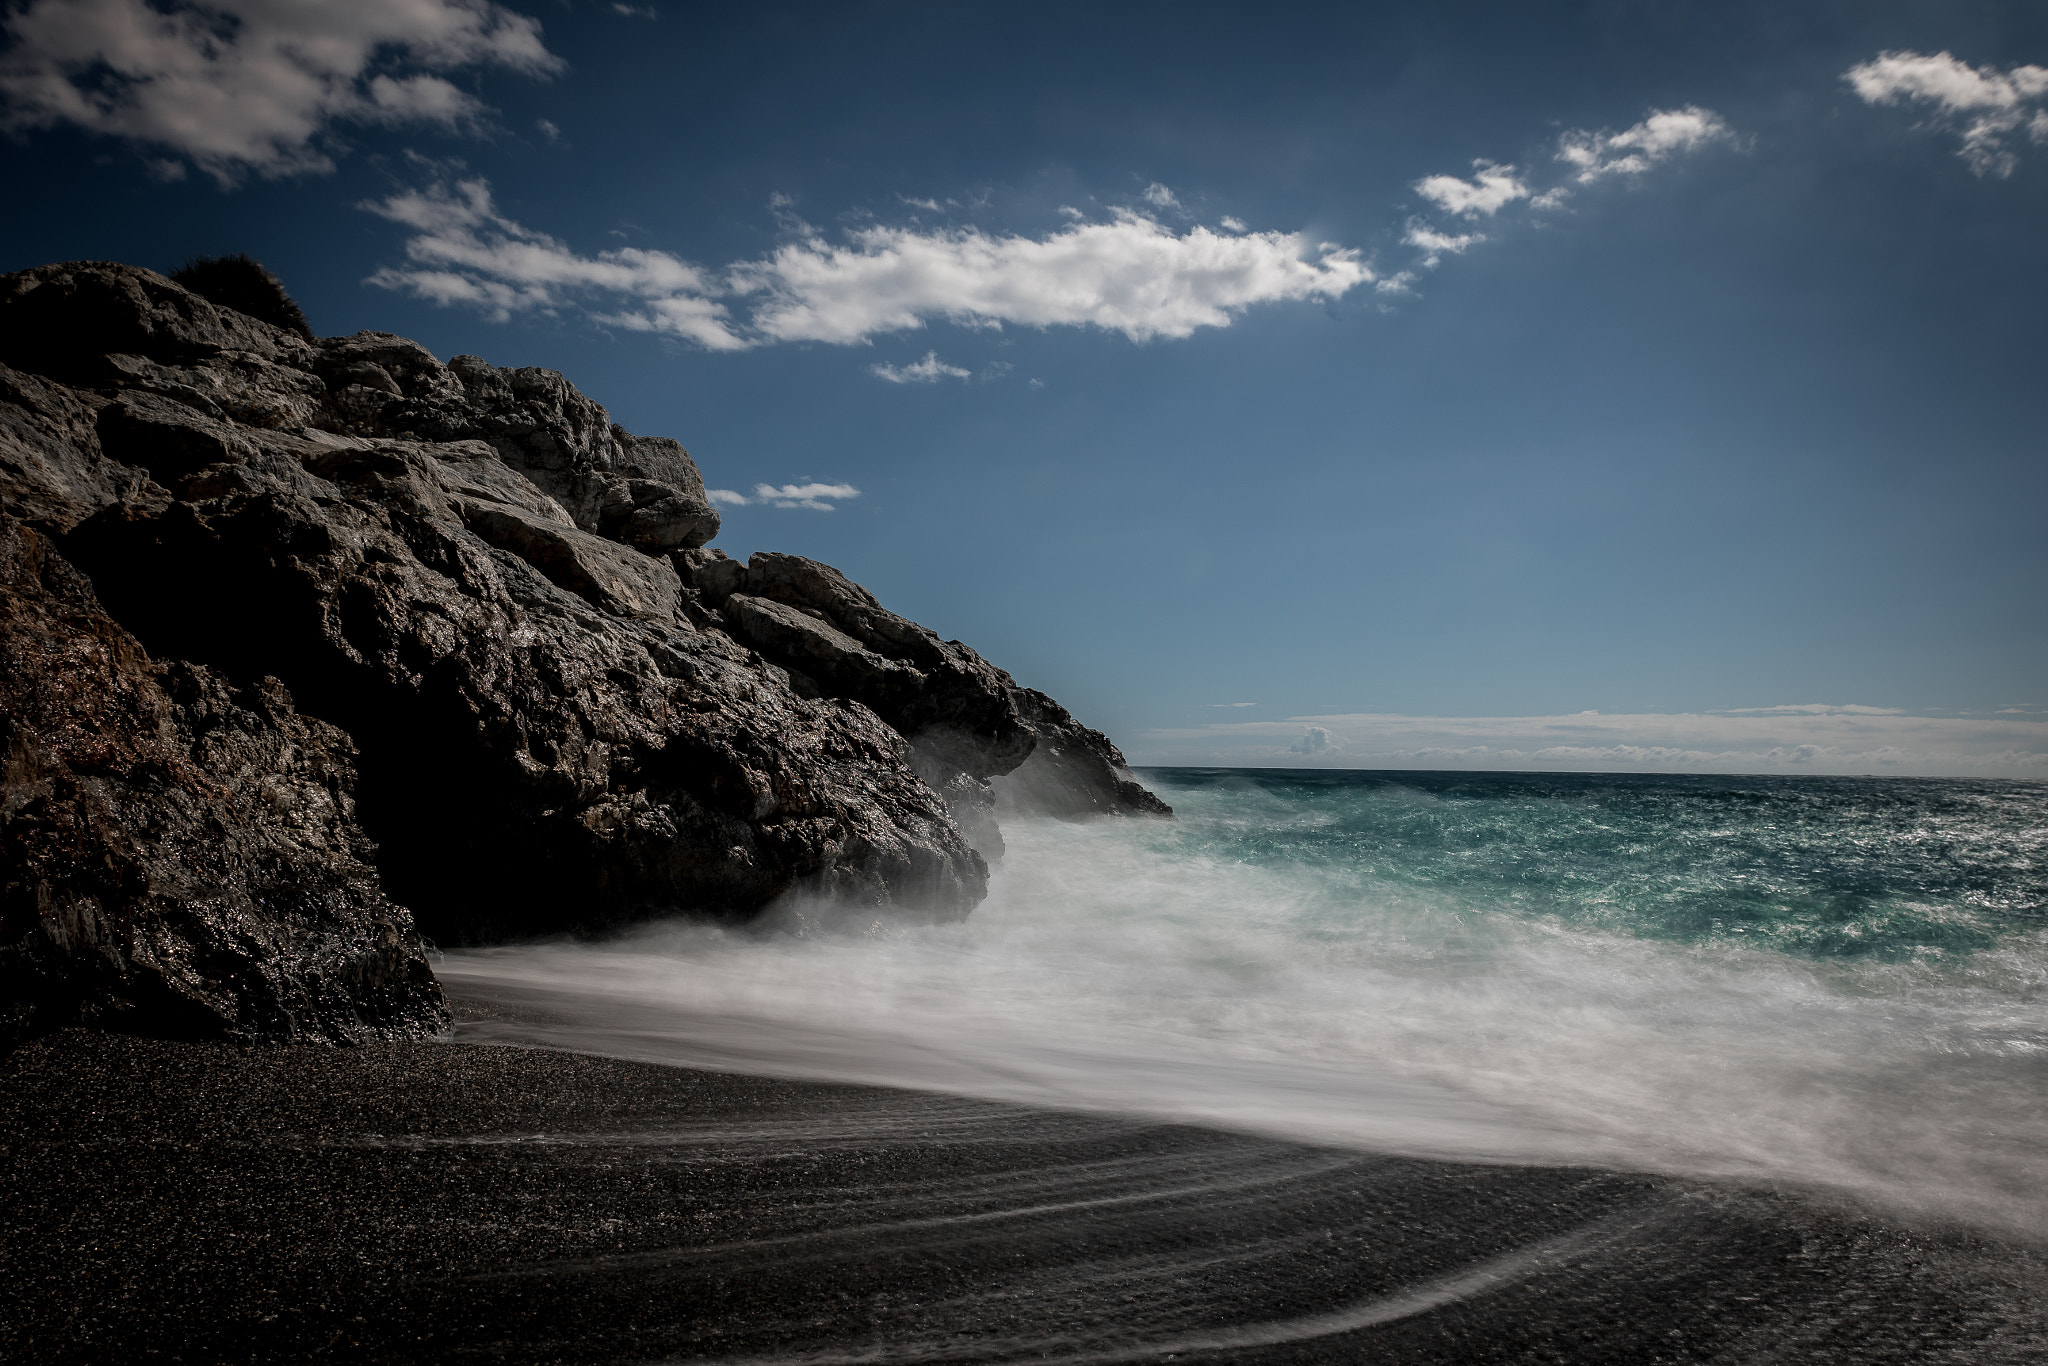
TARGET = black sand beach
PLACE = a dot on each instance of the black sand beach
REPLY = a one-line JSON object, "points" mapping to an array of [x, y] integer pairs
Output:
{"points": [[441, 1202]]}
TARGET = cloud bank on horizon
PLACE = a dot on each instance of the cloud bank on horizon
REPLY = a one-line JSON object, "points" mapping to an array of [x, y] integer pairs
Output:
{"points": [[1803, 738], [252, 86]]}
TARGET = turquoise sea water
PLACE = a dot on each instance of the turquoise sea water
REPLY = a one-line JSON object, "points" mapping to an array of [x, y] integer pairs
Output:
{"points": [[1888, 869], [1834, 983]]}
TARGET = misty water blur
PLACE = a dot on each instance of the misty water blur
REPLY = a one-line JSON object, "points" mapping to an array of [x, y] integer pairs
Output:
{"points": [[1838, 983]]}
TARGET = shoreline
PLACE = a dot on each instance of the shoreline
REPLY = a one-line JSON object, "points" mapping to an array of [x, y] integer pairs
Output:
{"points": [[437, 1201]]}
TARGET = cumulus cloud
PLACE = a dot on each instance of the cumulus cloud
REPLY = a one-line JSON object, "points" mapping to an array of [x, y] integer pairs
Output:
{"points": [[1159, 197], [1131, 275], [1490, 189], [1986, 107], [816, 497], [1315, 740], [242, 86], [930, 370], [1804, 738], [1664, 134]]}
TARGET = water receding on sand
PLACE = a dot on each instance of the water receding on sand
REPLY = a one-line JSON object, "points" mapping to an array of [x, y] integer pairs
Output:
{"points": [[1830, 983]]}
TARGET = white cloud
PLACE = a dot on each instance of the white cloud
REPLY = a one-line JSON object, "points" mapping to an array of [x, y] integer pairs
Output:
{"points": [[464, 252], [930, 370], [816, 497], [1434, 245], [1805, 738], [1230, 224], [1159, 197], [1664, 134], [1131, 275], [250, 85], [1490, 189], [1592, 156], [813, 496], [1986, 105]]}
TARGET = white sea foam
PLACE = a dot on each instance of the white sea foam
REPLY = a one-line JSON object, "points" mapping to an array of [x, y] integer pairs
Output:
{"points": [[1116, 968]]}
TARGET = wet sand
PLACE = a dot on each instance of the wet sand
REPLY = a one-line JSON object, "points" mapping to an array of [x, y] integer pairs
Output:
{"points": [[450, 1202]]}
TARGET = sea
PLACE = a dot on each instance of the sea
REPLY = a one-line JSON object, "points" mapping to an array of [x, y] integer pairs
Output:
{"points": [[1833, 984]]}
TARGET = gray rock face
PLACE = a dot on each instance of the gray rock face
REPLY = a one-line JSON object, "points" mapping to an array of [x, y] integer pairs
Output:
{"points": [[476, 614]]}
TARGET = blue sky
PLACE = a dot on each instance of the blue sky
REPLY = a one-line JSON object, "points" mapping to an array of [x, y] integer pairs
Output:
{"points": [[1421, 376]]}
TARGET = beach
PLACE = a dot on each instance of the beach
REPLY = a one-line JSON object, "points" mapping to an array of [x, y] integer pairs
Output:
{"points": [[435, 1202]]}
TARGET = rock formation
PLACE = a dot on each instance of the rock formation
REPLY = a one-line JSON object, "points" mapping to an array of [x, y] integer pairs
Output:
{"points": [[300, 633]]}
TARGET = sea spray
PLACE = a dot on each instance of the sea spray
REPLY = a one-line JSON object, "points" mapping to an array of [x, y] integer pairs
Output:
{"points": [[1831, 983]]}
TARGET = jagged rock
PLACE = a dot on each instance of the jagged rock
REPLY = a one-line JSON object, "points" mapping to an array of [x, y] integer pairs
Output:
{"points": [[985, 742], [1073, 771], [177, 850], [565, 712], [614, 578], [51, 468], [64, 320], [644, 491], [809, 643], [534, 759]]}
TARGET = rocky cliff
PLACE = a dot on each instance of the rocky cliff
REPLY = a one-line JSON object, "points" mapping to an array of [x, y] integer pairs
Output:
{"points": [[299, 633]]}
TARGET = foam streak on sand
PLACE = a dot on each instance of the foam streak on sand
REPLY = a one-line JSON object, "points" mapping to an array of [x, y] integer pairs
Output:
{"points": [[1825, 985]]}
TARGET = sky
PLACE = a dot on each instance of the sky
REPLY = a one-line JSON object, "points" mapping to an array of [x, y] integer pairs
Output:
{"points": [[1638, 386]]}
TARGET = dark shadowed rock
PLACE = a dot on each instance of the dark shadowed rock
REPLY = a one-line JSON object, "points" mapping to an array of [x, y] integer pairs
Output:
{"points": [[177, 850], [546, 742], [548, 706], [64, 320]]}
